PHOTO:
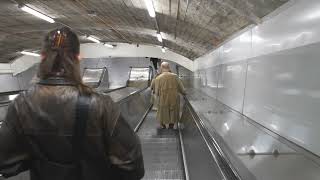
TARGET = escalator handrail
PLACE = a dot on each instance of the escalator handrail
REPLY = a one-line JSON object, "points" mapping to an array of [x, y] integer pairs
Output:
{"points": [[112, 90], [123, 100]]}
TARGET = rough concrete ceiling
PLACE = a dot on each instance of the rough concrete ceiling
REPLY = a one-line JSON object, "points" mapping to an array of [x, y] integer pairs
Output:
{"points": [[189, 27]]}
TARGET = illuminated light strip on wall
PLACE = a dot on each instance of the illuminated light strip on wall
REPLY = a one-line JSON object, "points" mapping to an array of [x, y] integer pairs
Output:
{"points": [[93, 39], [108, 45], [159, 37], [37, 14], [30, 53], [150, 8]]}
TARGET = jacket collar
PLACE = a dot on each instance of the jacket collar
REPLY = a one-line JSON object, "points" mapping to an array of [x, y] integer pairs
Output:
{"points": [[56, 81]]}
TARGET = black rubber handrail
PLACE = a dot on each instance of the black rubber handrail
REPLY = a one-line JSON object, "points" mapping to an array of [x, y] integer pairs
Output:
{"points": [[112, 90], [7, 102], [10, 93], [130, 95]]}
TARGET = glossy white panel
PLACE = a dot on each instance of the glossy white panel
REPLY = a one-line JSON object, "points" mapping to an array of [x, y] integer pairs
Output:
{"points": [[297, 26], [209, 60], [211, 80], [283, 94], [231, 84], [237, 49]]}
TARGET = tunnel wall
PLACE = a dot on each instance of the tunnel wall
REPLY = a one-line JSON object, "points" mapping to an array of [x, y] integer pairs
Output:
{"points": [[270, 73], [118, 68], [118, 72]]}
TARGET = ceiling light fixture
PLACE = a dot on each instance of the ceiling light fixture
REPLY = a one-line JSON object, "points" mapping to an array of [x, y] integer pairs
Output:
{"points": [[108, 45], [37, 14], [93, 39], [163, 49], [150, 8], [30, 53], [159, 37]]}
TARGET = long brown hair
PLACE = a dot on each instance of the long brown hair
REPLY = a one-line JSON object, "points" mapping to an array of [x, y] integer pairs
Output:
{"points": [[60, 53]]}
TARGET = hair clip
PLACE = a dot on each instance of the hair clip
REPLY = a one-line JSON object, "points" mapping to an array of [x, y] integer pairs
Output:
{"points": [[58, 39]]}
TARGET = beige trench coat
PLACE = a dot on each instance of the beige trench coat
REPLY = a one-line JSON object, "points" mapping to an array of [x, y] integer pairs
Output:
{"points": [[167, 88]]}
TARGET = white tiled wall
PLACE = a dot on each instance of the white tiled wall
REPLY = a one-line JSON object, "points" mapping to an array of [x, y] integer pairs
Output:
{"points": [[271, 73]]}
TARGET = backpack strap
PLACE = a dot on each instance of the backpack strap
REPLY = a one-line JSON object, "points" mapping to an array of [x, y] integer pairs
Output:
{"points": [[79, 131]]}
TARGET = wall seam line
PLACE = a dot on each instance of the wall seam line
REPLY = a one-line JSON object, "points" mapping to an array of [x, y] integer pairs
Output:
{"points": [[245, 87]]}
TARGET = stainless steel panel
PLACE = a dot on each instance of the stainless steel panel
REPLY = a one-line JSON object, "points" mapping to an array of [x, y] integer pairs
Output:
{"points": [[200, 162], [240, 135], [231, 84], [283, 94], [283, 167], [135, 107], [3, 112], [122, 93], [27, 78], [9, 83]]}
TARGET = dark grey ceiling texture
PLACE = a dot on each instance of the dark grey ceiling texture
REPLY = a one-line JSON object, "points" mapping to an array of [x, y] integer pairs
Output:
{"points": [[189, 27]]}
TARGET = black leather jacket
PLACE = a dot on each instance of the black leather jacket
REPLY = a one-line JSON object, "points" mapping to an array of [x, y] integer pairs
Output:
{"points": [[39, 126]]}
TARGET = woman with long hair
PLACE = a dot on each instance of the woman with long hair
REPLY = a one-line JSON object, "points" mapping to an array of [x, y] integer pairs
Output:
{"points": [[60, 129]]}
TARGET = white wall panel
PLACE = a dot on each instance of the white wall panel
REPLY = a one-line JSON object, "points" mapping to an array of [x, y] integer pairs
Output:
{"points": [[283, 91], [297, 26], [237, 49], [211, 80], [209, 60], [283, 94], [231, 84]]}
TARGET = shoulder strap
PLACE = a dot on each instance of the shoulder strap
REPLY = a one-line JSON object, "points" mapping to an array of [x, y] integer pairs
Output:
{"points": [[80, 126]]}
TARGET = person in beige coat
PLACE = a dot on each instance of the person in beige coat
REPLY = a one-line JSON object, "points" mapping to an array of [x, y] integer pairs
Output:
{"points": [[167, 88]]}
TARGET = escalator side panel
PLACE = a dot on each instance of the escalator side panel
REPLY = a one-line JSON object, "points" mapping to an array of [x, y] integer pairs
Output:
{"points": [[134, 108], [200, 162]]}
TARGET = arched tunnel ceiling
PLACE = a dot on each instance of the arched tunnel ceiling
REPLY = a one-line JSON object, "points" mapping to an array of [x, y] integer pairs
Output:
{"points": [[189, 27]]}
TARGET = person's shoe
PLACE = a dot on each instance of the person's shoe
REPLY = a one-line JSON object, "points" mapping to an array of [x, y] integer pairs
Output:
{"points": [[163, 126], [171, 126]]}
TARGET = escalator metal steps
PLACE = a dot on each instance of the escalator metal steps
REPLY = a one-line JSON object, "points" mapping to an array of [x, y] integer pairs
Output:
{"points": [[161, 151]]}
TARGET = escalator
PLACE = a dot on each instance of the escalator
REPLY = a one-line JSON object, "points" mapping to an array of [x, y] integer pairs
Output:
{"points": [[161, 150], [179, 154]]}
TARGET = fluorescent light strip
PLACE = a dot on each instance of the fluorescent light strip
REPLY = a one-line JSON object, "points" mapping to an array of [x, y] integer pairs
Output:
{"points": [[108, 45], [12, 97], [37, 14], [30, 53], [93, 39], [159, 37], [150, 8]]}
